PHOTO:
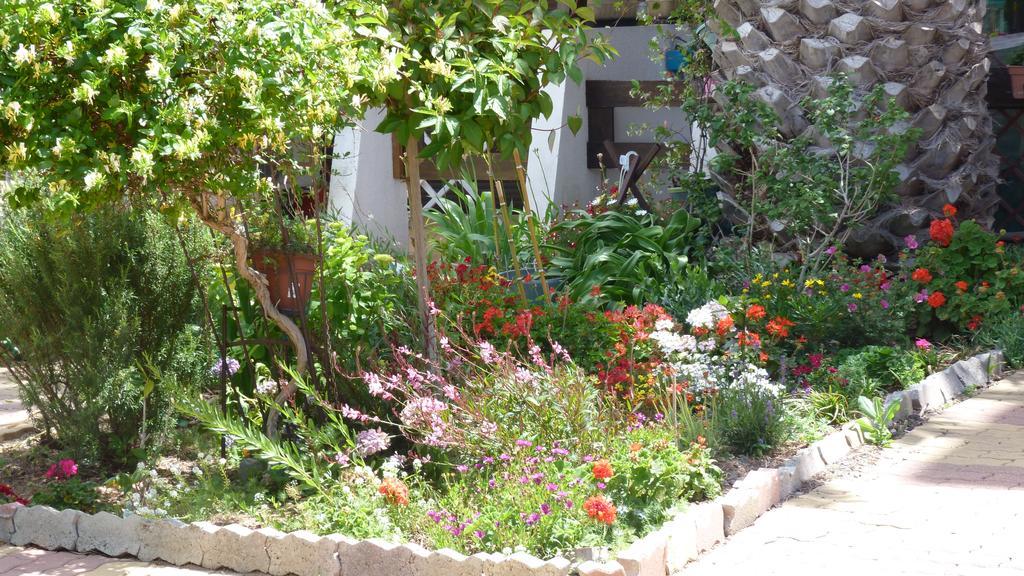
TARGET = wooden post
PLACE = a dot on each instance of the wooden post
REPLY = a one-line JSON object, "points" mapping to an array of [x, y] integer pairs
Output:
{"points": [[521, 172], [418, 238], [511, 240]]}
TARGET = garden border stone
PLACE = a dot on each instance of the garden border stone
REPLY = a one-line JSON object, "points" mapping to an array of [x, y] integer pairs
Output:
{"points": [[683, 538]]}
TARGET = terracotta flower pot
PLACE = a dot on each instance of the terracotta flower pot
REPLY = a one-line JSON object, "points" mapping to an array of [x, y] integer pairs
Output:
{"points": [[1017, 81], [290, 278]]}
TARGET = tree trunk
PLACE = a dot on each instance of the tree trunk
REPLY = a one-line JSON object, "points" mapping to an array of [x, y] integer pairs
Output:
{"points": [[224, 224], [931, 58]]}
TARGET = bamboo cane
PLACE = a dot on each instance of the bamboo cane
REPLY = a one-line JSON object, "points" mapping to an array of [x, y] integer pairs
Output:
{"points": [[531, 225], [508, 233]]}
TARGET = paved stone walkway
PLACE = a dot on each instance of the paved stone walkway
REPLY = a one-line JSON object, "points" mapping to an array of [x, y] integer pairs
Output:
{"points": [[14, 421], [946, 500], [32, 562]]}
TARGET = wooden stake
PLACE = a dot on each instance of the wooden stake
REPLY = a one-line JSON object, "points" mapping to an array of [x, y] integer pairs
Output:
{"points": [[521, 172], [418, 238], [508, 232]]}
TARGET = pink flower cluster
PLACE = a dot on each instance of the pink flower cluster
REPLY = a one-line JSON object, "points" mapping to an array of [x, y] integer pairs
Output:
{"points": [[62, 470]]}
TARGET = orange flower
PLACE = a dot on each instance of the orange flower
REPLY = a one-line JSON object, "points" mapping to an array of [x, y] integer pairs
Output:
{"points": [[779, 326], [763, 356], [949, 210], [724, 326], [921, 275], [941, 231], [602, 470], [937, 299], [755, 312], [600, 508], [395, 491], [752, 339], [962, 286], [701, 441], [636, 447]]}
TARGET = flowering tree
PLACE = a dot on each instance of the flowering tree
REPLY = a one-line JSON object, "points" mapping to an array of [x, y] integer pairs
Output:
{"points": [[115, 102]]}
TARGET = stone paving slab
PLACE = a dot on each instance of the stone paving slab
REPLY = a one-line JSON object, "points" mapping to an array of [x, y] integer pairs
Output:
{"points": [[16, 561], [14, 419], [946, 500]]}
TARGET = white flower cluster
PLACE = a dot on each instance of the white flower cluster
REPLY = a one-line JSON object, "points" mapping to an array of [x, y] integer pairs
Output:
{"points": [[674, 343], [751, 376], [707, 316]]}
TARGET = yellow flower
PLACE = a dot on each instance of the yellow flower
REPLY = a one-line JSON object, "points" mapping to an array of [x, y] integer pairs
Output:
{"points": [[858, 295], [809, 283], [766, 283], [788, 283]]}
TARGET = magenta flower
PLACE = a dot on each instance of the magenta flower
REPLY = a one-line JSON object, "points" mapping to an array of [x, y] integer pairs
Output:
{"points": [[852, 306], [62, 470], [921, 296], [911, 242], [923, 344], [844, 287], [831, 250], [865, 268], [885, 304]]}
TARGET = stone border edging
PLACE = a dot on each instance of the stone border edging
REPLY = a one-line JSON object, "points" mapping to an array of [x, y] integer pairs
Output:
{"points": [[682, 539]]}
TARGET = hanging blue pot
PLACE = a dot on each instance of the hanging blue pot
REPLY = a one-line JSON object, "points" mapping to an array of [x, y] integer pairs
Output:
{"points": [[674, 60]]}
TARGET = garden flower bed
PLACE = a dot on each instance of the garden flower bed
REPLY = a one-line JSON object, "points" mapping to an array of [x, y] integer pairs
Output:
{"points": [[669, 548]]}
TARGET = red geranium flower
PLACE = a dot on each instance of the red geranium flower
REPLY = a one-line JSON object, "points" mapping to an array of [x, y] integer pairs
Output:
{"points": [[595, 291], [600, 508], [949, 210], [941, 231], [936, 299], [962, 286], [779, 326], [975, 322], [755, 312], [395, 491], [602, 470], [921, 275]]}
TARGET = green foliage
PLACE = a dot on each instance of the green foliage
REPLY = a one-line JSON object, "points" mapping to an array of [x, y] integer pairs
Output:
{"points": [[804, 421], [73, 493], [369, 298], [877, 418], [1007, 334], [308, 457], [625, 256], [468, 227], [98, 308], [752, 420], [470, 76], [121, 98], [876, 369], [691, 289]]}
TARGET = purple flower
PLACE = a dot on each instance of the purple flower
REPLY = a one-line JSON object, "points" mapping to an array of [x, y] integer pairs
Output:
{"points": [[462, 468], [921, 296], [882, 259], [911, 242], [831, 250], [491, 483], [844, 288], [226, 367], [852, 306], [341, 459], [551, 486], [524, 443], [479, 534], [600, 485], [504, 457], [532, 519], [488, 460], [545, 509], [923, 344], [560, 451], [372, 441], [865, 268], [885, 304], [885, 286]]}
